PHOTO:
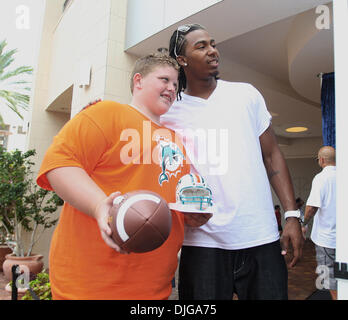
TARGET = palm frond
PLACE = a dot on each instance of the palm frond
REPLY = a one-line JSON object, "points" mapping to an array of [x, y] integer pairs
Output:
{"points": [[13, 108], [19, 71], [6, 59], [12, 90], [14, 101], [2, 123], [3, 44], [18, 83]]}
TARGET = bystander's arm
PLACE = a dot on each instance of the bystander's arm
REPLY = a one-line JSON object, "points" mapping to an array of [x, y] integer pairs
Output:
{"points": [[309, 214]]}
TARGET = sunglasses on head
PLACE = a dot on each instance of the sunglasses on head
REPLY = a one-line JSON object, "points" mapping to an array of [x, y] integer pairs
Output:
{"points": [[184, 28]]}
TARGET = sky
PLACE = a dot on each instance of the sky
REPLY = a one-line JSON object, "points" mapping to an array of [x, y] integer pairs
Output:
{"points": [[20, 25]]}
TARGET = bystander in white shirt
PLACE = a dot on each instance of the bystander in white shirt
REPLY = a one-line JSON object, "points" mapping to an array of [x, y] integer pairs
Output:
{"points": [[323, 196]]}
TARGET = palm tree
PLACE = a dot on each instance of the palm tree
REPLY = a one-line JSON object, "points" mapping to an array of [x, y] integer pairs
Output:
{"points": [[13, 87]]}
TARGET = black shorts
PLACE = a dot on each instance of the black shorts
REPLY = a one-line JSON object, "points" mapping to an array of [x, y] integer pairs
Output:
{"points": [[215, 274]]}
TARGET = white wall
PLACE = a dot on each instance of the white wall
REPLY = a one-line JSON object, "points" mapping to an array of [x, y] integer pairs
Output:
{"points": [[341, 71], [119, 63], [145, 18], [80, 38]]}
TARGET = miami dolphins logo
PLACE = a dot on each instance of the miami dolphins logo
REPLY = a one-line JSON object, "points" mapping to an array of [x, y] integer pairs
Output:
{"points": [[171, 159]]}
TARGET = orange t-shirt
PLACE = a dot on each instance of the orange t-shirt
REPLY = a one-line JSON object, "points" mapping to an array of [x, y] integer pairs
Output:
{"points": [[121, 150]]}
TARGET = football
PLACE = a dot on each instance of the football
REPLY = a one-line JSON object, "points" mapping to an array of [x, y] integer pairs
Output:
{"points": [[140, 221]]}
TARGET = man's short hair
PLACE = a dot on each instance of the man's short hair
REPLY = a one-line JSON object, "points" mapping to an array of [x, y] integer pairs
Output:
{"points": [[148, 63]]}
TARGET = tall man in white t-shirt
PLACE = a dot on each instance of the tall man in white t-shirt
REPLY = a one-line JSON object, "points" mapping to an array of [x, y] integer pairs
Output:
{"points": [[227, 132], [321, 205]]}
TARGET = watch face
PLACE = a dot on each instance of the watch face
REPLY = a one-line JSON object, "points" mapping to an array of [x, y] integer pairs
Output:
{"points": [[295, 214]]}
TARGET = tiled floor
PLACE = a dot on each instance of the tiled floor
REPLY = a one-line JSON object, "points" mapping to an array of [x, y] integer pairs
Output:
{"points": [[301, 278]]}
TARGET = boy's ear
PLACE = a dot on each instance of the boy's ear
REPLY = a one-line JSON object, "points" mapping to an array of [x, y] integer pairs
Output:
{"points": [[137, 78]]}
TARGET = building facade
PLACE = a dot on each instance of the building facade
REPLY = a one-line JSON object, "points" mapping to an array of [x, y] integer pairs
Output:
{"points": [[88, 49]]}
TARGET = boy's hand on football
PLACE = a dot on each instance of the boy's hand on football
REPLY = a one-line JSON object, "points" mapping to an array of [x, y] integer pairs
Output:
{"points": [[102, 216]]}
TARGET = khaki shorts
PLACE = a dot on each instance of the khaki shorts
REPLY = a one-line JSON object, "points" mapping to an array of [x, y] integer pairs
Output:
{"points": [[326, 257]]}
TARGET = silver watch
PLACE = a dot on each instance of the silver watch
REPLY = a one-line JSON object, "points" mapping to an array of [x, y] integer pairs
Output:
{"points": [[292, 213]]}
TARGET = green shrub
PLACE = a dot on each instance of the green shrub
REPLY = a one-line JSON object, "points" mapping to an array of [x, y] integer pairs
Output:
{"points": [[41, 287]]}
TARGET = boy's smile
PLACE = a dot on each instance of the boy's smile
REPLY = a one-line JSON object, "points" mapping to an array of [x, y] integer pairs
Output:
{"points": [[168, 96]]}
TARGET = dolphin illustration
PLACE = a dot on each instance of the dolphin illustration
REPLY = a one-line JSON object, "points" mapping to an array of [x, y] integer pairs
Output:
{"points": [[169, 155]]}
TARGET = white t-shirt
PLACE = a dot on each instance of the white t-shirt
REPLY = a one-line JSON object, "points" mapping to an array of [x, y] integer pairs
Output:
{"points": [[221, 137], [323, 196]]}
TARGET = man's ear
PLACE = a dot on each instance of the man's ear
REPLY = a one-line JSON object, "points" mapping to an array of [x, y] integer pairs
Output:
{"points": [[137, 81], [182, 61]]}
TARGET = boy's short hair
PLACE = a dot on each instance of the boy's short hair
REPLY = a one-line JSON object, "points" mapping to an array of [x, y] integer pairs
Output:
{"points": [[148, 63]]}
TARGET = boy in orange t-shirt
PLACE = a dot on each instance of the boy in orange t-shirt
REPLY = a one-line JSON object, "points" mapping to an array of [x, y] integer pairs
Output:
{"points": [[110, 147]]}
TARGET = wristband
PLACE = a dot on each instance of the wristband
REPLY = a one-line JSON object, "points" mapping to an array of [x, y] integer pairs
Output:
{"points": [[292, 213]]}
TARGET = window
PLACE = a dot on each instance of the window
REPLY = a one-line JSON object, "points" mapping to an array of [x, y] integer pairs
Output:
{"points": [[20, 130], [4, 133]]}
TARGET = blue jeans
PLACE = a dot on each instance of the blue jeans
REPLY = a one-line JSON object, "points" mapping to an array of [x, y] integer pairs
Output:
{"points": [[215, 274]]}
